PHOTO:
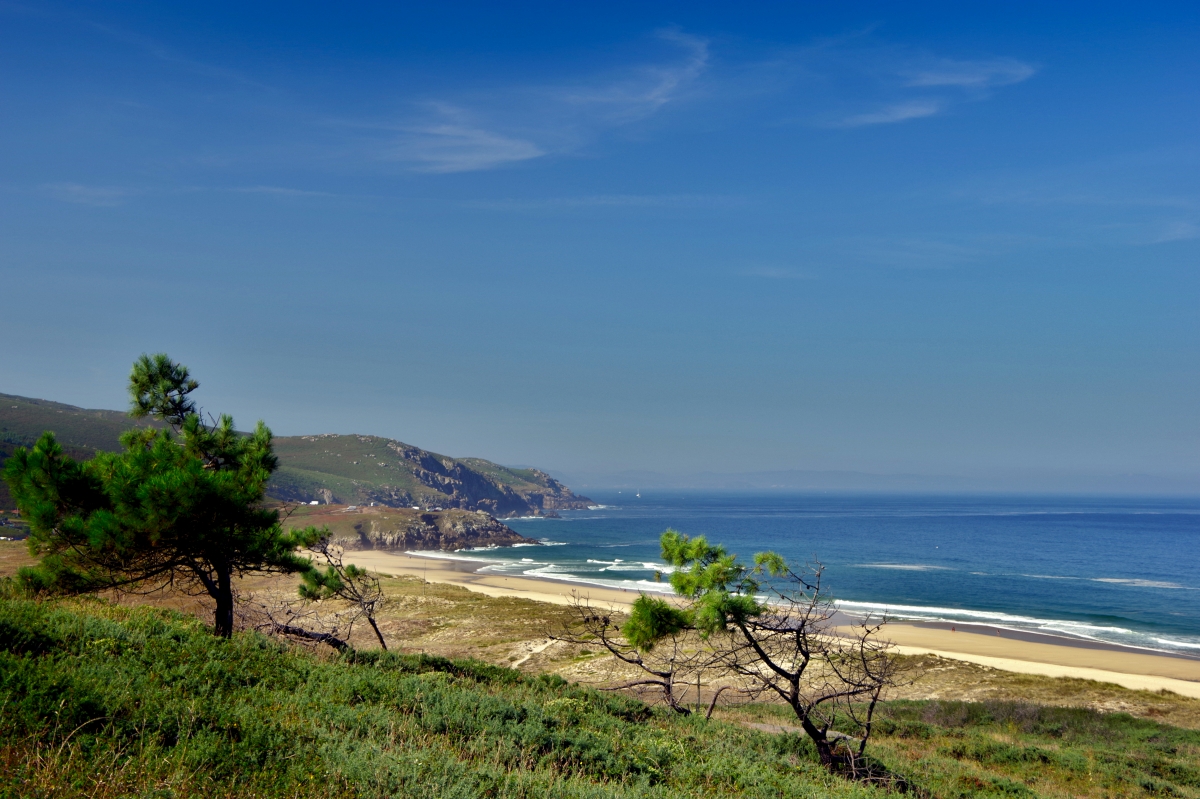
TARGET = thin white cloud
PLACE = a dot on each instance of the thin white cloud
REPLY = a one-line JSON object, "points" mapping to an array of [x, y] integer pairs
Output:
{"points": [[280, 191], [892, 113], [910, 253], [455, 147], [99, 196], [525, 123], [648, 88], [970, 74], [167, 55], [612, 201], [775, 273], [906, 85], [1178, 230]]}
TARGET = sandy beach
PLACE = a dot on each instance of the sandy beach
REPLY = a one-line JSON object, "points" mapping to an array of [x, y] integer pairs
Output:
{"points": [[1001, 649]]}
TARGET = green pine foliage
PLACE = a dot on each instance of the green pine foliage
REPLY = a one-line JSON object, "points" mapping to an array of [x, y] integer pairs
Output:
{"points": [[180, 507], [652, 619]]}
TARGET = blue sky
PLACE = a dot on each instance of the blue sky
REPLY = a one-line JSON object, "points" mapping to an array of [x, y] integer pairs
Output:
{"points": [[676, 237]]}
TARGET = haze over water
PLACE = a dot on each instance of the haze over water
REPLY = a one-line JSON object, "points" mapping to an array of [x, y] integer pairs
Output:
{"points": [[1120, 571]]}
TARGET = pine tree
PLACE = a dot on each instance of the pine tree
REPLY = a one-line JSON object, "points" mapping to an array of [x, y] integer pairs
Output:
{"points": [[179, 509], [775, 629]]}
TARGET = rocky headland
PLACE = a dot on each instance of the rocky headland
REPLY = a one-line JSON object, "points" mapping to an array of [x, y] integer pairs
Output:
{"points": [[405, 529]]}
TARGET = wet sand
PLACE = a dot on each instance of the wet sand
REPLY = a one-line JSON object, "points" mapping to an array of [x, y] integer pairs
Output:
{"points": [[1027, 653]]}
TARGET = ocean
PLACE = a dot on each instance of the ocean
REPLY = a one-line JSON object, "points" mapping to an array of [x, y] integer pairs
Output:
{"points": [[1118, 571]]}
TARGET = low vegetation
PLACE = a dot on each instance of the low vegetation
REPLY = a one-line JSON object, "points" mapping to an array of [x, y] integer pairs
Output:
{"points": [[102, 700]]}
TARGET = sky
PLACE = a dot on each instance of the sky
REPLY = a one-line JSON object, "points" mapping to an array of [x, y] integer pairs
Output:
{"points": [[941, 239]]}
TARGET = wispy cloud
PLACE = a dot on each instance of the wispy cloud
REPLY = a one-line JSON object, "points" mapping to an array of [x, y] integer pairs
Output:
{"points": [[649, 87], [454, 144], [1178, 230], [910, 253], [280, 191], [99, 196], [167, 55], [775, 273], [612, 201], [939, 84], [896, 112], [971, 74], [528, 122], [1135, 198]]}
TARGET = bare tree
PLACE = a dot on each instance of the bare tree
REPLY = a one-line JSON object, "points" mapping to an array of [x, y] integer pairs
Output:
{"points": [[296, 620], [774, 628], [830, 675], [345, 581], [307, 618], [670, 659]]}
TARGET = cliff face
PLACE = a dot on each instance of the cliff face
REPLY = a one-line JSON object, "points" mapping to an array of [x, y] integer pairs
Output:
{"points": [[365, 469], [448, 532], [403, 529], [333, 469]]}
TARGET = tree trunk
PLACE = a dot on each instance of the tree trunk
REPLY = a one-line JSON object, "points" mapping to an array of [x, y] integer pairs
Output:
{"points": [[375, 627], [821, 741], [223, 618], [324, 638]]}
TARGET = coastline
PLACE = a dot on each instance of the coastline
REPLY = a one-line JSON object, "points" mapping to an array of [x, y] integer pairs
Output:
{"points": [[993, 647]]}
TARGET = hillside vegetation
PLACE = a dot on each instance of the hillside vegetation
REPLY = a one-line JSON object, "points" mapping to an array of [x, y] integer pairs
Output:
{"points": [[109, 701], [360, 469], [81, 432], [405, 529], [347, 469]]}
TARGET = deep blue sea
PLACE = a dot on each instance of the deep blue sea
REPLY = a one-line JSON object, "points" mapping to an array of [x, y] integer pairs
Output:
{"points": [[1121, 571]]}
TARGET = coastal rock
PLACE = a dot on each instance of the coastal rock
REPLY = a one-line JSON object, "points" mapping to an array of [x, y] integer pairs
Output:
{"points": [[362, 470], [401, 529]]}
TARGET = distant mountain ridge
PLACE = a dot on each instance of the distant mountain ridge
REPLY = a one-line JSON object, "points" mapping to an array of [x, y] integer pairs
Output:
{"points": [[349, 469]]}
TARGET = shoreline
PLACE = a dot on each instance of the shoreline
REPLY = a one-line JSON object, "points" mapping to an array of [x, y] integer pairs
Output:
{"points": [[999, 648]]}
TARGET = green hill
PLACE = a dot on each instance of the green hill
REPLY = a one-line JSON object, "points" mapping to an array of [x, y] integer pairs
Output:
{"points": [[349, 469], [81, 432], [360, 469]]}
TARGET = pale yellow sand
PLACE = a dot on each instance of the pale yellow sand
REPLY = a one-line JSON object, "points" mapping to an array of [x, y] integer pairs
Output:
{"points": [[1128, 669]]}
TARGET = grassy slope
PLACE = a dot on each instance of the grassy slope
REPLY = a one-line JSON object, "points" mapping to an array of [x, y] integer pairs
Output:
{"points": [[107, 701], [22, 420], [81, 432], [519, 479], [352, 459]]}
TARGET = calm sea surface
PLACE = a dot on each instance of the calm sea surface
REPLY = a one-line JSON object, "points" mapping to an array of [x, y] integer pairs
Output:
{"points": [[1119, 571]]}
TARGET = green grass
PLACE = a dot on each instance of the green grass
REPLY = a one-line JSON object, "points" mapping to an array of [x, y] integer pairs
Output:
{"points": [[23, 420], [101, 700], [1013, 748], [517, 479], [295, 484], [81, 432]]}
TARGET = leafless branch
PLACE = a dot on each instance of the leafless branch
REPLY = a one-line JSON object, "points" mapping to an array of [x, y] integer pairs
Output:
{"points": [[830, 675], [671, 665]]}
